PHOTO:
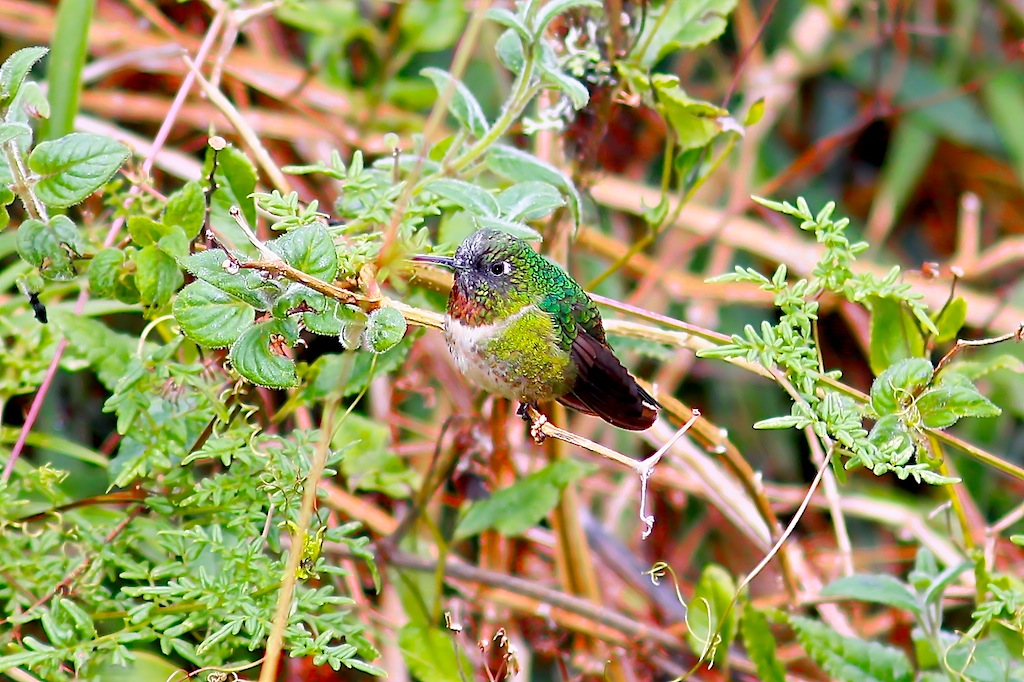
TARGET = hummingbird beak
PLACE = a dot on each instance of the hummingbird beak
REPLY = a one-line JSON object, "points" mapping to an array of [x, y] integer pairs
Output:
{"points": [[443, 261]]}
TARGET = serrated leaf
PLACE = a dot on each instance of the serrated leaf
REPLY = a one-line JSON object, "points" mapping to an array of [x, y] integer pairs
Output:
{"points": [[474, 199], [431, 654], [186, 209], [509, 49], [685, 26], [244, 284], [708, 634], [894, 387], [874, 588], [310, 249], [760, 645], [258, 354], [105, 269], [850, 659], [72, 167], [695, 122], [385, 327], [16, 68], [211, 317], [520, 166], [522, 505], [515, 229], [530, 200], [45, 245], [462, 105], [297, 297], [157, 276], [144, 230], [894, 334], [952, 398], [332, 319]]}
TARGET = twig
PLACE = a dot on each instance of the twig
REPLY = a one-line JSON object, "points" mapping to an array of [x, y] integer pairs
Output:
{"points": [[542, 428]]}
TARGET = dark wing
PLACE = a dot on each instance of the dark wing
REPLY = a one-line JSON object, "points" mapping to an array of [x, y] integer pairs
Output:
{"points": [[604, 388]]}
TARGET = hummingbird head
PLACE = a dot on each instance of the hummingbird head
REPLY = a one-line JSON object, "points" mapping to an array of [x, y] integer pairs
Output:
{"points": [[494, 270]]}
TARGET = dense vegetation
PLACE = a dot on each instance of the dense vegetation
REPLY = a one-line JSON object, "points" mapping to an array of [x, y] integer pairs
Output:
{"points": [[234, 442]]}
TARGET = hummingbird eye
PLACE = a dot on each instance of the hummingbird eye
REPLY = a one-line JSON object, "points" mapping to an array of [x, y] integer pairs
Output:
{"points": [[501, 268]]}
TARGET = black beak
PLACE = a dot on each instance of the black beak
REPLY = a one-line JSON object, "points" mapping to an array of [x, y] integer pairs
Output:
{"points": [[443, 261]]}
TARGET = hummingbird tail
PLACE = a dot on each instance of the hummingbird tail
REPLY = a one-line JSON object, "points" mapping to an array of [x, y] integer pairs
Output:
{"points": [[606, 389]]}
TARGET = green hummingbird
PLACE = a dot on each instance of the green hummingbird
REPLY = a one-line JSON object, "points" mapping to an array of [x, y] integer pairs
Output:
{"points": [[519, 326]]}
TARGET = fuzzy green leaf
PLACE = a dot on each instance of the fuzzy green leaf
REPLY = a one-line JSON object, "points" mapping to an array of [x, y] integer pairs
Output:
{"points": [[74, 166], [310, 249], [687, 25], [849, 659], [145, 231], [522, 505], [186, 209], [211, 317], [876, 589], [258, 354], [520, 166], [332, 320], [761, 645], [46, 246], [502, 16], [894, 387], [107, 275], [894, 334], [385, 327], [235, 182], [530, 200], [466, 195], [16, 68], [157, 275], [244, 284], [951, 399], [564, 83], [510, 51], [695, 122], [462, 105], [549, 10], [12, 131], [708, 635], [431, 654]]}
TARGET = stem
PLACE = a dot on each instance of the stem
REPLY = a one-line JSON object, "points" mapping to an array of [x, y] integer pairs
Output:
{"points": [[22, 184]]}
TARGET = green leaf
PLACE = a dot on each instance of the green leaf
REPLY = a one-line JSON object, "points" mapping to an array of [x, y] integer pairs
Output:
{"points": [[186, 209], [695, 122], [522, 505], [431, 654], [510, 51], [16, 68], [107, 273], [686, 25], [258, 354], [12, 131], [431, 25], [46, 246], [107, 352], [893, 388], [145, 231], [760, 644], [876, 589], [893, 440], [564, 83], [157, 275], [950, 320], [72, 167], [244, 284], [372, 466], [549, 10], [530, 200], [235, 182], [332, 320], [468, 196], [211, 317], [519, 166], [783, 422], [502, 16], [894, 334], [516, 229], [462, 105], [385, 327], [710, 630], [850, 659], [952, 398], [310, 249]]}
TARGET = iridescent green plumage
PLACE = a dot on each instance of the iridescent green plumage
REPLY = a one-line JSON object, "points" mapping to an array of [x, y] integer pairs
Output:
{"points": [[521, 327]]}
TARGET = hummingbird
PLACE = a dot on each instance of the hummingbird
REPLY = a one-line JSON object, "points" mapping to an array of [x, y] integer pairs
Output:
{"points": [[521, 327]]}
